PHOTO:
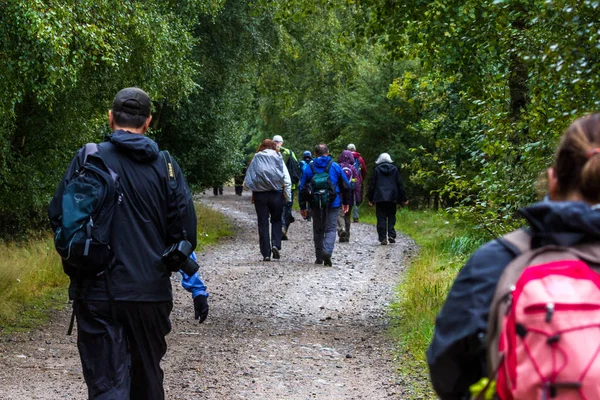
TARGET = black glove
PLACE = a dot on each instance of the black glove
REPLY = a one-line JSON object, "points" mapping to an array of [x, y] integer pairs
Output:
{"points": [[201, 307]]}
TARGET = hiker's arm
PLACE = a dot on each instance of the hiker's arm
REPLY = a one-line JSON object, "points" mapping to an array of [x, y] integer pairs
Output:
{"points": [[344, 185], [181, 213], [287, 184], [196, 286], [194, 283], [363, 170], [301, 201], [372, 184], [456, 355], [55, 207], [401, 191]]}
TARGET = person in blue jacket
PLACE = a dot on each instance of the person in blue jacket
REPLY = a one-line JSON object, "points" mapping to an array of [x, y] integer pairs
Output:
{"points": [[325, 221], [569, 216]]}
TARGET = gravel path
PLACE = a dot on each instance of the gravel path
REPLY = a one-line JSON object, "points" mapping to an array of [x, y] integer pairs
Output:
{"points": [[284, 329]]}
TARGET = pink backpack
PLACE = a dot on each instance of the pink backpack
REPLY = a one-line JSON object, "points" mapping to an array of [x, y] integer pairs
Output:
{"points": [[544, 324]]}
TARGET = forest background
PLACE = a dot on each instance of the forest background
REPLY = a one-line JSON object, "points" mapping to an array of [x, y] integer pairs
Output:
{"points": [[469, 97]]}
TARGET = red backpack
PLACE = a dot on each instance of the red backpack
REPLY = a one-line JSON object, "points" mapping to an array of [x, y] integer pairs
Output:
{"points": [[544, 323]]}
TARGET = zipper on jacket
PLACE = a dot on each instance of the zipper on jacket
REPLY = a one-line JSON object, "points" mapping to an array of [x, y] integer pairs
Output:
{"points": [[550, 308]]}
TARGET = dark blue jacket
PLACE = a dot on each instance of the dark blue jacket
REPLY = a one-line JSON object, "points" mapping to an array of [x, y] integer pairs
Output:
{"points": [[456, 355], [145, 222], [335, 174]]}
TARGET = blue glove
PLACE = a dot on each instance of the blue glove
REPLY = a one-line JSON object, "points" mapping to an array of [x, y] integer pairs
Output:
{"points": [[195, 285]]}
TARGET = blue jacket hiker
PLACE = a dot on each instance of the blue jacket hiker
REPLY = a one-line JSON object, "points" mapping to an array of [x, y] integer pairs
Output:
{"points": [[324, 216]]}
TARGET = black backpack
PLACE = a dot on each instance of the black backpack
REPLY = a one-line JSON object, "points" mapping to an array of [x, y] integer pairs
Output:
{"points": [[320, 191], [88, 204], [294, 169]]}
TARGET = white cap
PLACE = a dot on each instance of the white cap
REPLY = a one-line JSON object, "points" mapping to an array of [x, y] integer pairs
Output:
{"points": [[383, 157], [351, 147], [278, 138]]}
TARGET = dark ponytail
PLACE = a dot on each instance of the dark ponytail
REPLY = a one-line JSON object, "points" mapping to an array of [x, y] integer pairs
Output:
{"points": [[577, 159]]}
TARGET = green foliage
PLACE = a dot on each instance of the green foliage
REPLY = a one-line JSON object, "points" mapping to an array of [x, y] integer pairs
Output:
{"points": [[499, 82], [61, 66]]}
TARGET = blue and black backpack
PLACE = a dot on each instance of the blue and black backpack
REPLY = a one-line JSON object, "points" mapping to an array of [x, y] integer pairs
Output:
{"points": [[89, 200]]}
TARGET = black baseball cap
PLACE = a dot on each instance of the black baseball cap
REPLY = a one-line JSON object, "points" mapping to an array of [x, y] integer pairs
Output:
{"points": [[132, 101]]}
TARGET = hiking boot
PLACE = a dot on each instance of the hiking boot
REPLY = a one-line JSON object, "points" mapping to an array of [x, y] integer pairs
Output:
{"points": [[384, 242], [318, 261], [355, 219], [309, 218], [266, 258], [391, 240], [284, 234], [327, 260], [275, 252]]}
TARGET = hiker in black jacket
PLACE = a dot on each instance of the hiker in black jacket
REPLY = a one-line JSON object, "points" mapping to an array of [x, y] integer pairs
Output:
{"points": [[123, 312], [386, 190], [568, 217]]}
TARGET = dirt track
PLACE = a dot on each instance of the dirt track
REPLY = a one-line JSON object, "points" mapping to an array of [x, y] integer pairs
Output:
{"points": [[284, 329]]}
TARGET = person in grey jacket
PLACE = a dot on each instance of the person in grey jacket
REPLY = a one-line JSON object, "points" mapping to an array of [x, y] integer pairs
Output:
{"points": [[268, 179], [386, 190]]}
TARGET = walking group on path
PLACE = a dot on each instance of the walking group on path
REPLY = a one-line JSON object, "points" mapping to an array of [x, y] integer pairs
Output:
{"points": [[124, 221], [520, 321], [329, 195]]}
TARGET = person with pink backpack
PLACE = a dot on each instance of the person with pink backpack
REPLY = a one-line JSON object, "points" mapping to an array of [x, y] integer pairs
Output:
{"points": [[522, 319], [346, 161]]}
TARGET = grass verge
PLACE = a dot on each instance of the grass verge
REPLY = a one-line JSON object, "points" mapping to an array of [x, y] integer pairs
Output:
{"points": [[444, 246], [32, 281]]}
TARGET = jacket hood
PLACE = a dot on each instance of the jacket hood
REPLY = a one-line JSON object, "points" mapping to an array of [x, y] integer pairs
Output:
{"points": [[564, 223], [136, 146], [346, 157], [322, 161], [356, 154], [386, 168]]}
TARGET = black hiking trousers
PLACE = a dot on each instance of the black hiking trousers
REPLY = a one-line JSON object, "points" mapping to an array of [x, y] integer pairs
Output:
{"points": [[121, 358], [385, 211], [269, 205]]}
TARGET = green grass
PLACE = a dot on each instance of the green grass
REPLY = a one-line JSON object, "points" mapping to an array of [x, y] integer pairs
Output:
{"points": [[32, 282], [212, 225], [444, 246]]}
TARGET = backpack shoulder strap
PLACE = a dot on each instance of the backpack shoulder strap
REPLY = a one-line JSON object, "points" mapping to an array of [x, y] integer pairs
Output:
{"points": [[328, 167], [312, 167], [170, 169], [89, 148], [517, 242]]}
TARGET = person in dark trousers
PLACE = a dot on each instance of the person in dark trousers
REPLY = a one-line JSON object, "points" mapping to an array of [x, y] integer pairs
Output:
{"points": [[325, 220], [270, 182], [567, 217], [361, 167], [304, 163], [346, 161], [123, 313], [291, 163], [239, 179], [386, 190], [218, 190]]}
